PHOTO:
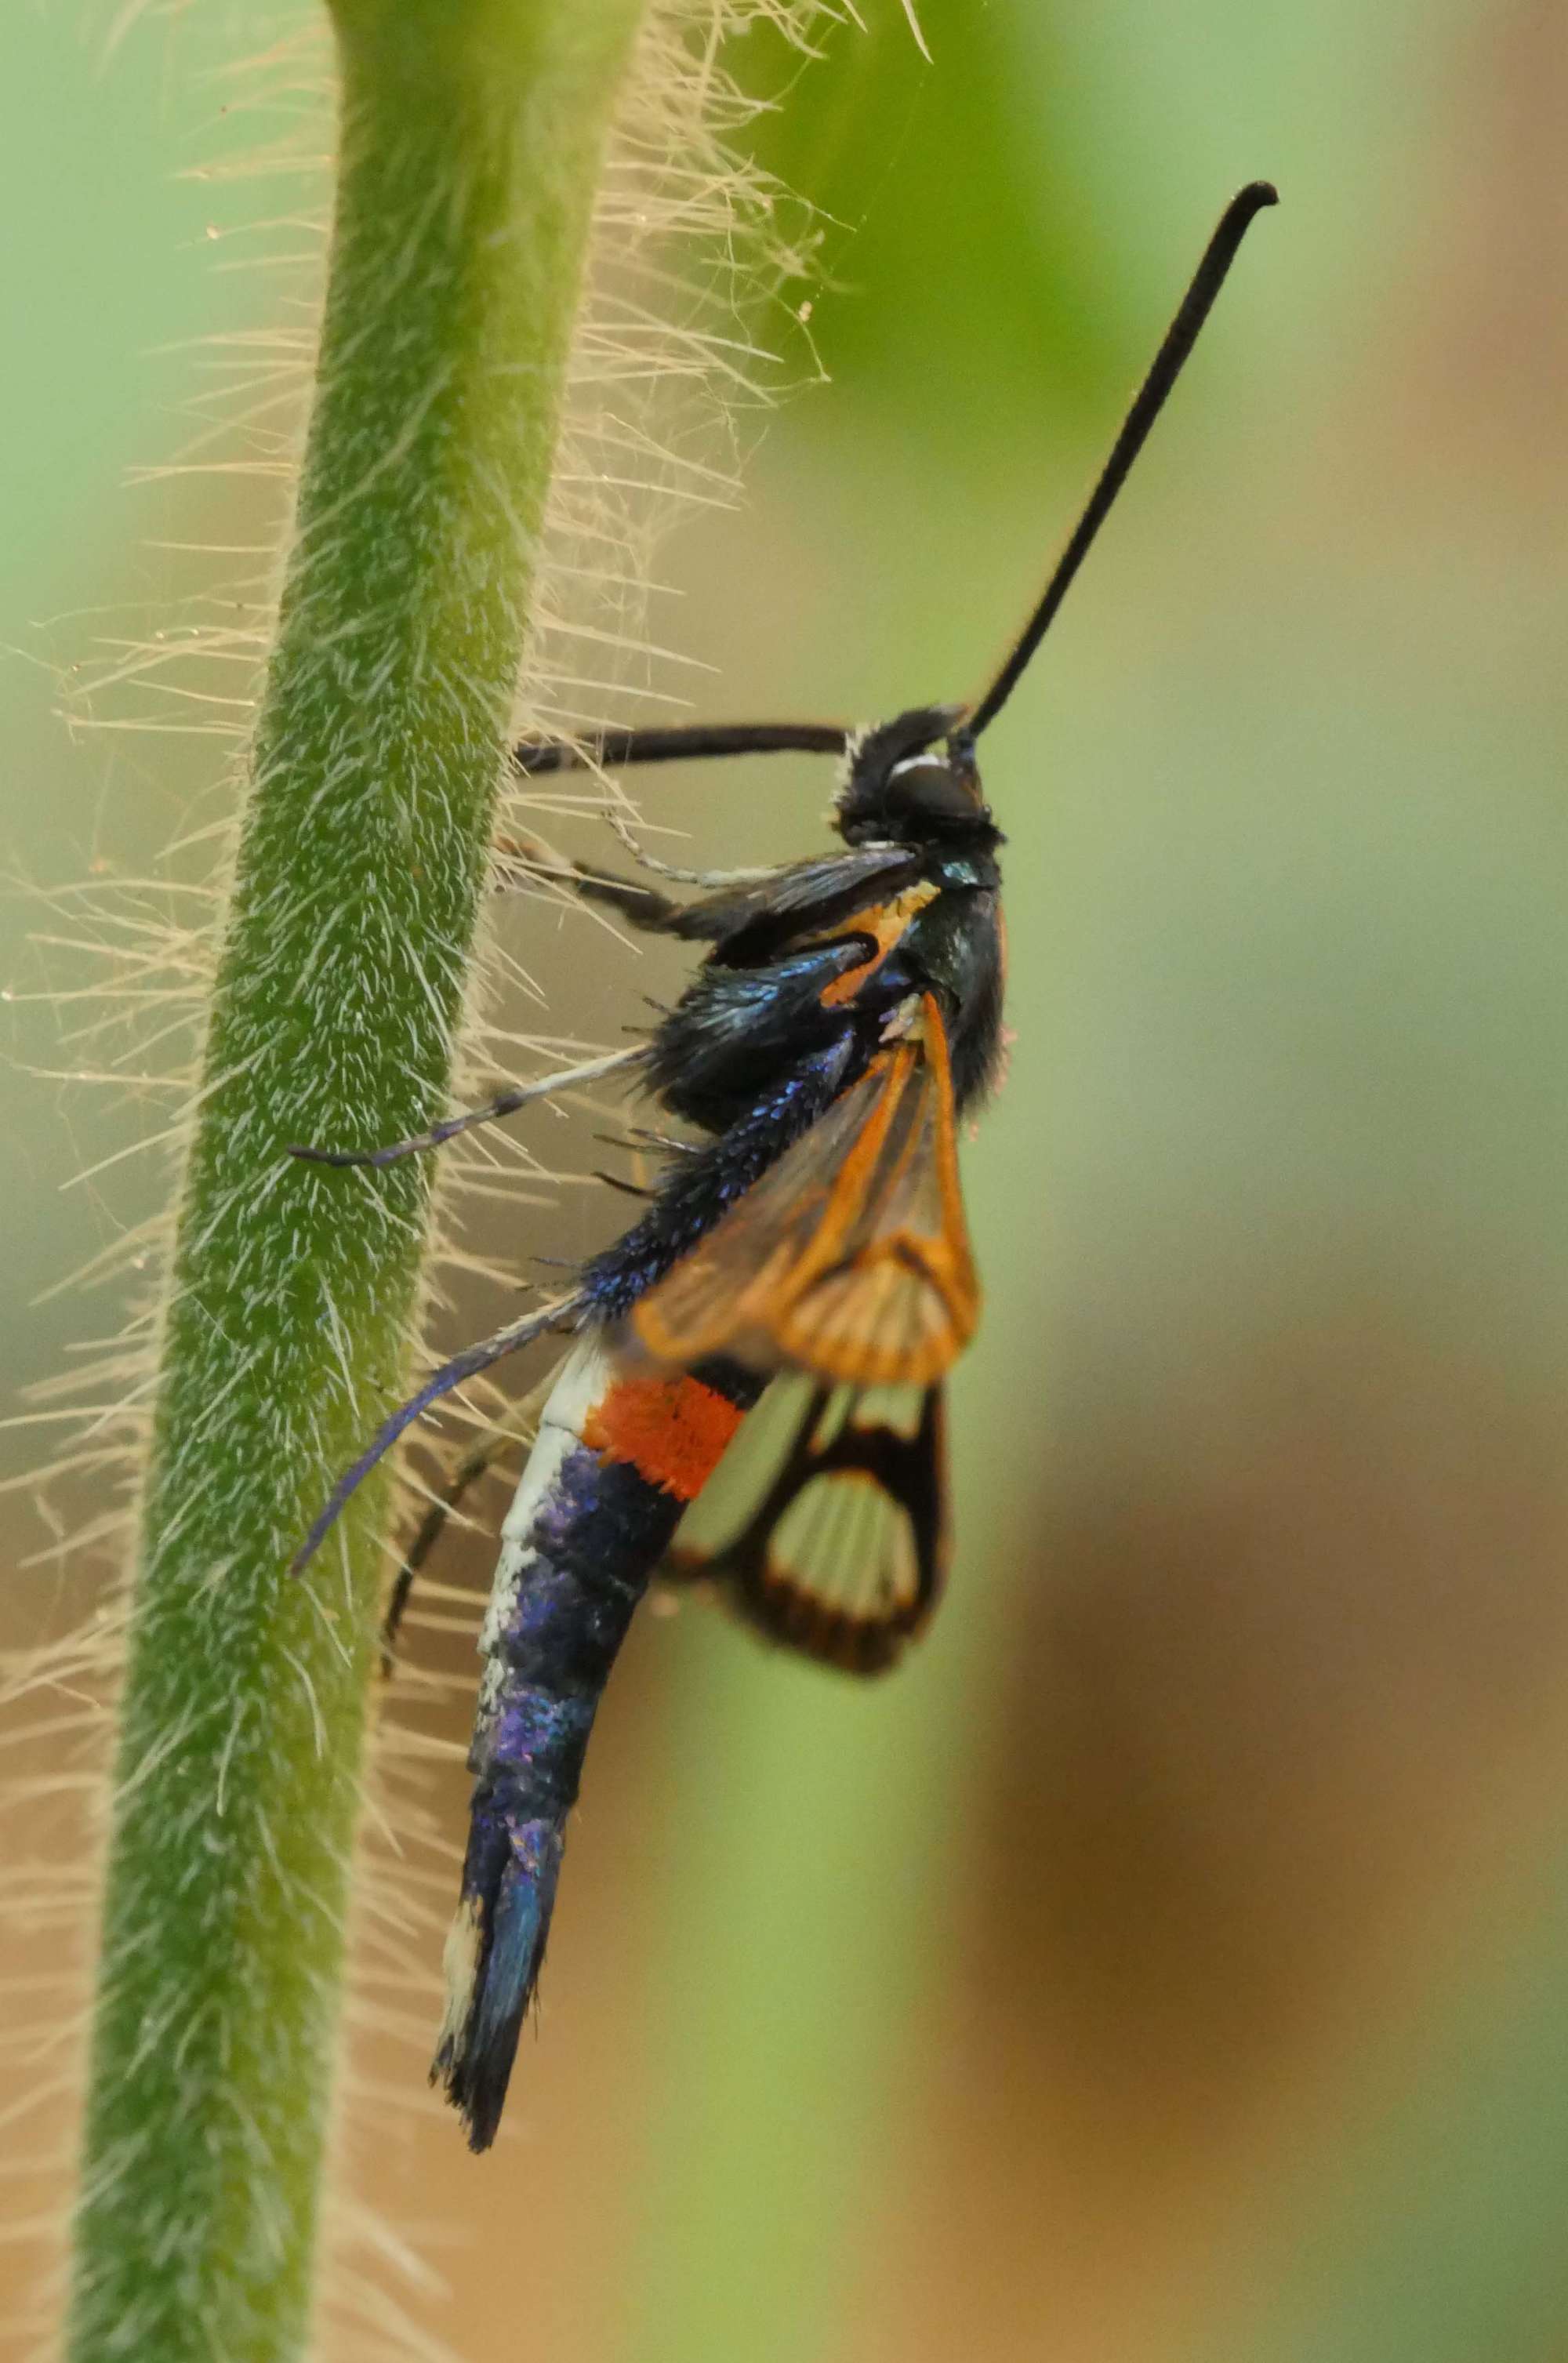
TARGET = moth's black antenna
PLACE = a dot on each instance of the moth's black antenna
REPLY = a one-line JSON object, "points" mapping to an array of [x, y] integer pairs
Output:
{"points": [[682, 743], [1180, 338]]}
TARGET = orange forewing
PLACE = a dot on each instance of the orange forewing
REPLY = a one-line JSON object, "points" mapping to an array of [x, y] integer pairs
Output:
{"points": [[850, 1258]]}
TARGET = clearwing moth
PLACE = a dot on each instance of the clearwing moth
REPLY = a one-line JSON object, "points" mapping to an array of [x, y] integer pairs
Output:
{"points": [[754, 1389]]}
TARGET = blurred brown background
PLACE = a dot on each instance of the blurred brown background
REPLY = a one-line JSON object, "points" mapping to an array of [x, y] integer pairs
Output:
{"points": [[1171, 1961]]}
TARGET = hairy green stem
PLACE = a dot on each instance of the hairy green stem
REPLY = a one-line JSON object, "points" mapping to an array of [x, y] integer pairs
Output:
{"points": [[472, 136]]}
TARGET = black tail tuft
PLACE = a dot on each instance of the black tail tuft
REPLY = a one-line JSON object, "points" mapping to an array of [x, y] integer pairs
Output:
{"points": [[492, 1960]]}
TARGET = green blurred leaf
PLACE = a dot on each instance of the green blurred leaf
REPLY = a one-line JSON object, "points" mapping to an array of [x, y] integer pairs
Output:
{"points": [[958, 250]]}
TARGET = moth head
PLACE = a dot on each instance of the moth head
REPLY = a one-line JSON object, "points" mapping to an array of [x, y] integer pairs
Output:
{"points": [[913, 781]]}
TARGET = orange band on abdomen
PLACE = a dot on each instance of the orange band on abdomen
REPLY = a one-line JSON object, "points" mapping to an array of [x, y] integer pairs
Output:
{"points": [[673, 1431]]}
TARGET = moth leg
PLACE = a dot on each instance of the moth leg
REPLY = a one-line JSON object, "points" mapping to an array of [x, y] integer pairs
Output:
{"points": [[432, 1525], [525, 860], [683, 877], [506, 1102], [564, 1313]]}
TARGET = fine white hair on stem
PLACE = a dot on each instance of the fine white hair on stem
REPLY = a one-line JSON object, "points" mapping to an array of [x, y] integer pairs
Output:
{"points": [[683, 339]]}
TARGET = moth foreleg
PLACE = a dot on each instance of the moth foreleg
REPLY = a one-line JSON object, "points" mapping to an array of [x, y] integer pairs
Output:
{"points": [[528, 861]]}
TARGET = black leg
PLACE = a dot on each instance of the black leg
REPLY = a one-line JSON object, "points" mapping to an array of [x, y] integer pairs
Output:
{"points": [[592, 1071], [639, 906], [466, 1475]]}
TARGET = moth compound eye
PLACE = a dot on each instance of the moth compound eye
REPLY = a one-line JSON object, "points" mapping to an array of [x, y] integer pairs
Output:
{"points": [[930, 793], [916, 768]]}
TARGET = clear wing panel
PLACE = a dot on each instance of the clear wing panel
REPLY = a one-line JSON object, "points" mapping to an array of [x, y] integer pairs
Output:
{"points": [[826, 1519]]}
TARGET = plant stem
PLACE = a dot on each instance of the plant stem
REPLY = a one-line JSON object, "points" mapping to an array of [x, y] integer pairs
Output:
{"points": [[472, 136]]}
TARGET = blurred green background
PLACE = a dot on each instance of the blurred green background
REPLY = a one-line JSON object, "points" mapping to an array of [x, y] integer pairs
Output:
{"points": [[1171, 1961]]}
